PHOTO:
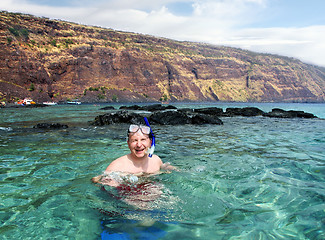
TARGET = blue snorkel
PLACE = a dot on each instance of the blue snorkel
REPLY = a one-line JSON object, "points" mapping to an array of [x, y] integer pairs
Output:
{"points": [[153, 144]]}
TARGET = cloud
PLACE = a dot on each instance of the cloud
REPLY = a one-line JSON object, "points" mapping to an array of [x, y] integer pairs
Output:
{"points": [[303, 43], [220, 22]]}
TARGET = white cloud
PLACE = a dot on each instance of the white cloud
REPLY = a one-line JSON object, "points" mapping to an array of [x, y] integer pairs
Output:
{"points": [[303, 43], [221, 22]]}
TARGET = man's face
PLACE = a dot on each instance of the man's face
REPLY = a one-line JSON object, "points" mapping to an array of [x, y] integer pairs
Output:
{"points": [[138, 144]]}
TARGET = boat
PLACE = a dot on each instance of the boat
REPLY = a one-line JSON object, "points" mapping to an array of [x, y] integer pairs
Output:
{"points": [[74, 102], [26, 101], [50, 103]]}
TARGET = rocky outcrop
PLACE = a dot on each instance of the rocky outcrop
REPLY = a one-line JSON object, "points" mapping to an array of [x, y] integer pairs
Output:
{"points": [[50, 60], [151, 107], [246, 112], [280, 113], [159, 117], [118, 117], [189, 116]]}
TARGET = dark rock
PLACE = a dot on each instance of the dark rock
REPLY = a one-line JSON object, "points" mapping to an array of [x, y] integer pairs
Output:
{"points": [[170, 118], [51, 126], [150, 108], [246, 112], [210, 111], [181, 117], [37, 105], [107, 108], [205, 119], [157, 107], [186, 110], [133, 107], [118, 117], [190, 116], [280, 113]]}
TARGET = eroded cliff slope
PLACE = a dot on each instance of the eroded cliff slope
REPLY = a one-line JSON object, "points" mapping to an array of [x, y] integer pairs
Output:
{"points": [[56, 60]]}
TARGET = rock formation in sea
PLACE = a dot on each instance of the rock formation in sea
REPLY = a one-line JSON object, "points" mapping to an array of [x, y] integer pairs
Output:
{"points": [[172, 116]]}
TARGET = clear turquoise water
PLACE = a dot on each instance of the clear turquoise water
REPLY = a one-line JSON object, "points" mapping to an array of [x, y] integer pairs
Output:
{"points": [[251, 178]]}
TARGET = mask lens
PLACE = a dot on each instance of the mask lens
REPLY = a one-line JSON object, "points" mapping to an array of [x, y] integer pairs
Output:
{"points": [[134, 128], [145, 129]]}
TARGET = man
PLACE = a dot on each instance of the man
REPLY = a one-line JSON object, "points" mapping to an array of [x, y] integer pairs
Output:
{"points": [[138, 162]]}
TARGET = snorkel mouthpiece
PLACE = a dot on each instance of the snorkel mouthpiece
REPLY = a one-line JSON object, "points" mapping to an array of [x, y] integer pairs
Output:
{"points": [[153, 144]]}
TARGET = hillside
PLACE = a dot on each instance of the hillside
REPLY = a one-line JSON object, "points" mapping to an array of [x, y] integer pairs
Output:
{"points": [[55, 60]]}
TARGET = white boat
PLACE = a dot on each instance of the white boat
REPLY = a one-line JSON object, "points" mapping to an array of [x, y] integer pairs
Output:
{"points": [[28, 101], [74, 102], [50, 103]]}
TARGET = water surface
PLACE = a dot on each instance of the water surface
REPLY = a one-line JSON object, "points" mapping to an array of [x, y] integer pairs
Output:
{"points": [[251, 178]]}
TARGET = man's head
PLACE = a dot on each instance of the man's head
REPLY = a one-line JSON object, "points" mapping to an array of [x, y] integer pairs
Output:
{"points": [[142, 128], [139, 140]]}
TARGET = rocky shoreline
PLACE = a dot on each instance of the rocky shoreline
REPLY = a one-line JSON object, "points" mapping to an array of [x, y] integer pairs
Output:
{"points": [[171, 115], [162, 114]]}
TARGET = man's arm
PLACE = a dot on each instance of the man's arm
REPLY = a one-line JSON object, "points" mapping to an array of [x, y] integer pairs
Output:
{"points": [[105, 179], [96, 179], [167, 166]]}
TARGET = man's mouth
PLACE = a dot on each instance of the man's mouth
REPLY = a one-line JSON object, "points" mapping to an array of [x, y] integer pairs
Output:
{"points": [[139, 150]]}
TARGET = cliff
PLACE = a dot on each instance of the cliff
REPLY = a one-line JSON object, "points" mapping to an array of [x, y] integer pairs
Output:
{"points": [[55, 60]]}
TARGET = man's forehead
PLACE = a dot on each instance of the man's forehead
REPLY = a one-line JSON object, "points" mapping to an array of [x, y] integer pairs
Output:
{"points": [[138, 135]]}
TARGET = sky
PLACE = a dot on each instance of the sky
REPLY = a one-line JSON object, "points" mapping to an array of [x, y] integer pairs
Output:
{"points": [[293, 28]]}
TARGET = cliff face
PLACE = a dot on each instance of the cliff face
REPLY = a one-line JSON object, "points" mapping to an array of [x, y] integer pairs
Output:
{"points": [[55, 60]]}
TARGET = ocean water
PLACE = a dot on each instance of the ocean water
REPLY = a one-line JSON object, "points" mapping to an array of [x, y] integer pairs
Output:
{"points": [[251, 178]]}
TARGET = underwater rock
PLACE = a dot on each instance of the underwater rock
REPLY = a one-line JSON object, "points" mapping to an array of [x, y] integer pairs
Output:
{"points": [[50, 126], [200, 119], [280, 113], [107, 108]]}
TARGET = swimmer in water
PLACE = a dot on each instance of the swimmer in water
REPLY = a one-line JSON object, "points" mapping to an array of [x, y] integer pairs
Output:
{"points": [[140, 161]]}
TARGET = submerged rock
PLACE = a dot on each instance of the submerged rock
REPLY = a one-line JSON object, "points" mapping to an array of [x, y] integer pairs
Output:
{"points": [[200, 119], [50, 126], [107, 108]]}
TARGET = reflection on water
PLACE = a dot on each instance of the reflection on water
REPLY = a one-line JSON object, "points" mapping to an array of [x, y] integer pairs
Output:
{"points": [[251, 178]]}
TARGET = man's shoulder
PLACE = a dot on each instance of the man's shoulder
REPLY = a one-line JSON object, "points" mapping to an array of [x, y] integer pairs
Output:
{"points": [[121, 159], [117, 163], [156, 158]]}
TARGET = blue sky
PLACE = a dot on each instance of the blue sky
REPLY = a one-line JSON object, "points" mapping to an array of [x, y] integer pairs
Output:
{"points": [[294, 28]]}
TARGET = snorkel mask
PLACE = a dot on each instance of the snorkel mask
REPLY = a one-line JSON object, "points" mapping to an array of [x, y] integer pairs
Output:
{"points": [[153, 144]]}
